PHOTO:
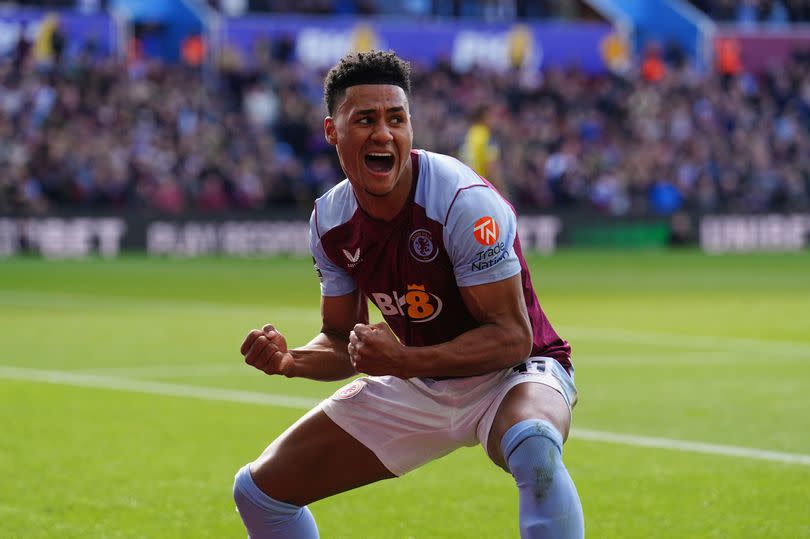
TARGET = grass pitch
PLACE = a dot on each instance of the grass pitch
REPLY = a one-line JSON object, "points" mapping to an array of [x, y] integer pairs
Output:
{"points": [[126, 408]]}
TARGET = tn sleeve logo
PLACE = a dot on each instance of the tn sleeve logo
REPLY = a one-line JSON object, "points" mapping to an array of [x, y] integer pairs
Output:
{"points": [[486, 231]]}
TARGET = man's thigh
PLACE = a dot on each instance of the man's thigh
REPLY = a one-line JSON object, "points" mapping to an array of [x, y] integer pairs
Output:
{"points": [[314, 459]]}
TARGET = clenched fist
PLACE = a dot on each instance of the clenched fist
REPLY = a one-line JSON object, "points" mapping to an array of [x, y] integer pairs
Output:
{"points": [[266, 349], [375, 350]]}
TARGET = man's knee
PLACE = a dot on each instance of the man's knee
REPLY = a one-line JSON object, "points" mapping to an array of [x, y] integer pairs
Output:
{"points": [[532, 450], [251, 500], [267, 518]]}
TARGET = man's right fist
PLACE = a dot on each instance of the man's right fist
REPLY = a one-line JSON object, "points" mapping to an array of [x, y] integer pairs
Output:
{"points": [[266, 350]]}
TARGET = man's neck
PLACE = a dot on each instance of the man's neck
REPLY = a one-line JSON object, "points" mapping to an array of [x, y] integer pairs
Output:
{"points": [[386, 207]]}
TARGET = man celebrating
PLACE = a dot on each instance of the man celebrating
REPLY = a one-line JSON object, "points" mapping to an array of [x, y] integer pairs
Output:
{"points": [[466, 354]]}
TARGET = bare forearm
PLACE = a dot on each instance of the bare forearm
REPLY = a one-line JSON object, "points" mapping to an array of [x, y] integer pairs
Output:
{"points": [[323, 358], [487, 348]]}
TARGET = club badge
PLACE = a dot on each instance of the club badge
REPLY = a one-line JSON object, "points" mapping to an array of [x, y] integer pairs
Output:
{"points": [[350, 390], [421, 245]]}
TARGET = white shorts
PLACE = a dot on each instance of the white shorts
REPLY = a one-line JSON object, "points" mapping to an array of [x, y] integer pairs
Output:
{"points": [[407, 423]]}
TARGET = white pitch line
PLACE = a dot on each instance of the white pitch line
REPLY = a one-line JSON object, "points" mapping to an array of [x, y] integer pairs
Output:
{"points": [[157, 388], [252, 397], [195, 370], [693, 447]]}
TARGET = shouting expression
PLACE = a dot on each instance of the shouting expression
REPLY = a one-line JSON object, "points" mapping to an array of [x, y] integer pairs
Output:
{"points": [[371, 130]]}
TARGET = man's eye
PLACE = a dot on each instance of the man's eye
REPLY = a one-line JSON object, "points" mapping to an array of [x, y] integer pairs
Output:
{"points": [[364, 121], [396, 120]]}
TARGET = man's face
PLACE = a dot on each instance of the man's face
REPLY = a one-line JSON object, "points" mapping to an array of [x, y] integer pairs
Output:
{"points": [[371, 130]]}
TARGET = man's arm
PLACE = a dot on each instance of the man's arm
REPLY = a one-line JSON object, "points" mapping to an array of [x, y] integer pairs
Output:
{"points": [[503, 339], [325, 357]]}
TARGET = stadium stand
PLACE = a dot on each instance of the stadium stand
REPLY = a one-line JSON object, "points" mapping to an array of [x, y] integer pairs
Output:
{"points": [[89, 133], [752, 12], [481, 9]]}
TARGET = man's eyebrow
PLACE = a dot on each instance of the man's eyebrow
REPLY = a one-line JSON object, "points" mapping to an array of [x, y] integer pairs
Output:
{"points": [[372, 111]]}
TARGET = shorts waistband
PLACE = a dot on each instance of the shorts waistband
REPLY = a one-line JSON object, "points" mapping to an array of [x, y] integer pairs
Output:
{"points": [[524, 367], [540, 363], [520, 367]]}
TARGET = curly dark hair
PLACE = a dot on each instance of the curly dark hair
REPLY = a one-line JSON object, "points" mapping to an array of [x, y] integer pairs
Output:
{"points": [[373, 67]]}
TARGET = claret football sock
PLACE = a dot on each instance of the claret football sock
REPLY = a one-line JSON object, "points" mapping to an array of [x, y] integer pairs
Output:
{"points": [[266, 518], [549, 503]]}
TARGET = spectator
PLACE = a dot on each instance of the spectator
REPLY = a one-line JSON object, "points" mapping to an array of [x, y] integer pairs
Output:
{"points": [[106, 134], [653, 68], [479, 149], [50, 43], [754, 12]]}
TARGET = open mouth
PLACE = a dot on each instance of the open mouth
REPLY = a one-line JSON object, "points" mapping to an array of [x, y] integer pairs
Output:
{"points": [[380, 162]]}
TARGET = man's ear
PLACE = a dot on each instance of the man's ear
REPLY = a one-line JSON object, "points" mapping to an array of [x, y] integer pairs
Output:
{"points": [[329, 131]]}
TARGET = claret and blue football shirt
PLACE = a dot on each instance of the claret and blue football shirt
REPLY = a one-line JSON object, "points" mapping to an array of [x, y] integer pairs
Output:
{"points": [[454, 231]]}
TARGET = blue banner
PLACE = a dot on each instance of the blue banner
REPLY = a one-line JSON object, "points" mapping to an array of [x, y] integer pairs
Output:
{"points": [[664, 22], [321, 42], [79, 29]]}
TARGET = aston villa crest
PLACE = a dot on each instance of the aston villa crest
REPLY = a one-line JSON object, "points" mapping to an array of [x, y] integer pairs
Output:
{"points": [[421, 245]]}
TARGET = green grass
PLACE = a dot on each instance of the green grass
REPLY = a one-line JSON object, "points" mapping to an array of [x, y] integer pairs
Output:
{"points": [[666, 344]]}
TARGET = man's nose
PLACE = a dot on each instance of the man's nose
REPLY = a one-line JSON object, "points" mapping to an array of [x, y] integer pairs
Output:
{"points": [[382, 133]]}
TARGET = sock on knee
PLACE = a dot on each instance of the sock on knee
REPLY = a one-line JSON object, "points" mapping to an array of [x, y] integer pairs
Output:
{"points": [[549, 503], [266, 518]]}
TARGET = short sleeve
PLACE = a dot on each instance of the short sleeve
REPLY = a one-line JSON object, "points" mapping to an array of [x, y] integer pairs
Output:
{"points": [[334, 281], [480, 234]]}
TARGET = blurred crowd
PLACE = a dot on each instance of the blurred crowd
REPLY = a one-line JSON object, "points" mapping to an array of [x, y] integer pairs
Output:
{"points": [[743, 12], [756, 12], [83, 132], [640, 144], [480, 9]]}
